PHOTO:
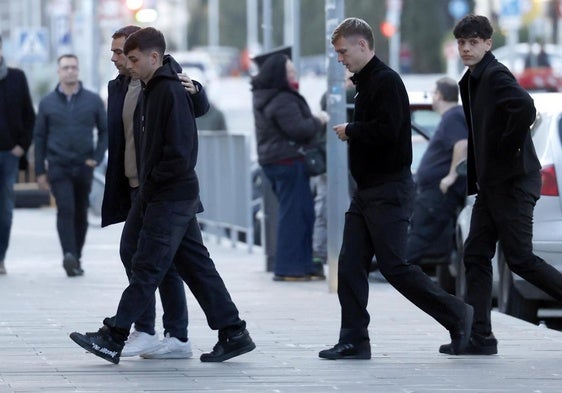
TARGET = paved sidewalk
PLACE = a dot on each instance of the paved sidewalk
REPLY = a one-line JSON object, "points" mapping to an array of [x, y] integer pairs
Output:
{"points": [[290, 323]]}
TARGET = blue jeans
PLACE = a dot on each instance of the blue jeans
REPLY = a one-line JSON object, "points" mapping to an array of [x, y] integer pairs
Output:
{"points": [[169, 234], [9, 165], [172, 292], [71, 185], [290, 183]]}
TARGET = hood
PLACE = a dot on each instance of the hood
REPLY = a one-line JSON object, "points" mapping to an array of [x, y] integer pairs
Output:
{"points": [[263, 96], [165, 71], [168, 59]]}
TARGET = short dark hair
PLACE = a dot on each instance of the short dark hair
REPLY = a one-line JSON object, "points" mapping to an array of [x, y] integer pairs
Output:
{"points": [[473, 26], [125, 31], [448, 89], [67, 55], [354, 26], [146, 39]]}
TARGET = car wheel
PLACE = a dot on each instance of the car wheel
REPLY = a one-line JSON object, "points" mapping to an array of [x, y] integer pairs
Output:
{"points": [[510, 300]]}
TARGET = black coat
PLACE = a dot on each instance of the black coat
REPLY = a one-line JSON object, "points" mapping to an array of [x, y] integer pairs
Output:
{"points": [[499, 142], [116, 197], [380, 135], [283, 123], [18, 109]]}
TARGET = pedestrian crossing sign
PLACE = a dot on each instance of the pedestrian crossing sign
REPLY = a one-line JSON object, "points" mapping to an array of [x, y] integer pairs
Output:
{"points": [[32, 45]]}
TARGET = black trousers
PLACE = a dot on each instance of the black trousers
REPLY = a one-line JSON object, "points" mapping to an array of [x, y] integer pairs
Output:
{"points": [[377, 224], [504, 212], [71, 187], [169, 234]]}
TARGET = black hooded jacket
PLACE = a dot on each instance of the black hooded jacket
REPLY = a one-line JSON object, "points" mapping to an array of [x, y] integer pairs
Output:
{"points": [[168, 140], [283, 120], [116, 198]]}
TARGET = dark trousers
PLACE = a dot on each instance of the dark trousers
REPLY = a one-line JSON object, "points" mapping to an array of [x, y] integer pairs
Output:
{"points": [[71, 185], [433, 213], [504, 212], [169, 233], [376, 224], [291, 185], [172, 292]]}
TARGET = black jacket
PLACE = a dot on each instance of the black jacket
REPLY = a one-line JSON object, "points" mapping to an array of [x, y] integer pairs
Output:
{"points": [[380, 135], [499, 113], [167, 140], [283, 123], [63, 129], [17, 111], [116, 196]]}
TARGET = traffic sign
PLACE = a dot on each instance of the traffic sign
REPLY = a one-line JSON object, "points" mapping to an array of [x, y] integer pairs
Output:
{"points": [[32, 45]]}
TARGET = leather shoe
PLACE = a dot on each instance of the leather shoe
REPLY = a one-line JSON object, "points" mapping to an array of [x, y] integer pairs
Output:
{"points": [[478, 345], [229, 347], [460, 337], [347, 351]]}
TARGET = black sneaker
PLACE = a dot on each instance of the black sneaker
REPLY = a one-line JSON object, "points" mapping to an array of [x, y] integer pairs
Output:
{"points": [[347, 351], [71, 265], [100, 343], [230, 347], [478, 345], [460, 337], [317, 273]]}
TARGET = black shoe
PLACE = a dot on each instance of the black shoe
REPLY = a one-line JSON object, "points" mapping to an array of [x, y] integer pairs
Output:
{"points": [[478, 345], [317, 273], [230, 347], [460, 337], [100, 343], [291, 278], [71, 266], [347, 351]]}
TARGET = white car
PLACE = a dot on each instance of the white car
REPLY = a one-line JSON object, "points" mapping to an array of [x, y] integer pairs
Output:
{"points": [[516, 296]]}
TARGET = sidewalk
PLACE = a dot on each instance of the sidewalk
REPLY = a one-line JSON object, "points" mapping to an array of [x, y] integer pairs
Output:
{"points": [[290, 323]]}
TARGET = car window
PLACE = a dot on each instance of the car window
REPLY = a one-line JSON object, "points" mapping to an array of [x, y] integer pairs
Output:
{"points": [[426, 119], [539, 132]]}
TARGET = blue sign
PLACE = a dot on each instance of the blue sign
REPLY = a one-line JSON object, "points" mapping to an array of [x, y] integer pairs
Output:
{"points": [[33, 46], [458, 8]]}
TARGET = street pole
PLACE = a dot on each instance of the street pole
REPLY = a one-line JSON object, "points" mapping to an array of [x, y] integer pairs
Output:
{"points": [[338, 183], [213, 23], [267, 25]]}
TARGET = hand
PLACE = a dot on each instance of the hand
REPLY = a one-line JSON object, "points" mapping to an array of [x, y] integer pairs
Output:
{"points": [[91, 163], [446, 182], [187, 83], [323, 117], [42, 182], [340, 131], [18, 151]]}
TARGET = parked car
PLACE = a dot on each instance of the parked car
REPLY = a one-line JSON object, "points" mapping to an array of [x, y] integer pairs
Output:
{"points": [[514, 295], [533, 76]]}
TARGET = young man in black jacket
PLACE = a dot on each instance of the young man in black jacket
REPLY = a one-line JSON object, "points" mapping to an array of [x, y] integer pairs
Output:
{"points": [[380, 155], [167, 203], [121, 187], [503, 172]]}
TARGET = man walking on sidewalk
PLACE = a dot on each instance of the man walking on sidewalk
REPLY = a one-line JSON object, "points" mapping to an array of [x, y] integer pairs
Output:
{"points": [[376, 223], [503, 172], [167, 203]]}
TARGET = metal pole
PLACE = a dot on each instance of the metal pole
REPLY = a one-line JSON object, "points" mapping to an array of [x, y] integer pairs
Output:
{"points": [[338, 184], [213, 23], [252, 26], [267, 26]]}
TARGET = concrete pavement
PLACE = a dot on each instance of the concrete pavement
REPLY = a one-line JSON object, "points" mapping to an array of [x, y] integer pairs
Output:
{"points": [[290, 323]]}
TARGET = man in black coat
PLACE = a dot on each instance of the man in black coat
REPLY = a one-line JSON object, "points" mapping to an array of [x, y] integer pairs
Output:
{"points": [[376, 223], [16, 128], [121, 187], [503, 170], [166, 205]]}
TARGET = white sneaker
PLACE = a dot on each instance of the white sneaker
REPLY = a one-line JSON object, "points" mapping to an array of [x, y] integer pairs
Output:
{"points": [[170, 348], [139, 342]]}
